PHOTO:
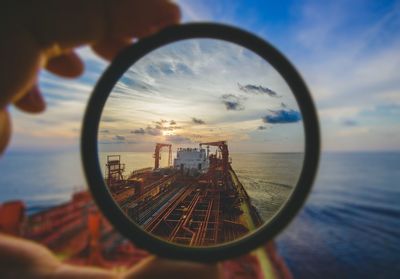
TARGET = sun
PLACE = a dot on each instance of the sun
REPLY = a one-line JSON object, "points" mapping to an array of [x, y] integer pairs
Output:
{"points": [[167, 133]]}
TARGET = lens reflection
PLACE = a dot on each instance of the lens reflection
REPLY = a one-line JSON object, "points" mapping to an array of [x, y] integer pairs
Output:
{"points": [[201, 142]]}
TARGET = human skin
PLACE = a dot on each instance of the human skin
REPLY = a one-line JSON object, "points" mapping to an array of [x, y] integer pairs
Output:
{"points": [[21, 258], [43, 34]]}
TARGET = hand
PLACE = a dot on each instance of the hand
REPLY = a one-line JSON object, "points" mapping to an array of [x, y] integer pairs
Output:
{"points": [[43, 34], [25, 259]]}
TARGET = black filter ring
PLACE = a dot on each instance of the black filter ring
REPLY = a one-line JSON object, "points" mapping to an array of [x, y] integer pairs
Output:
{"points": [[89, 143]]}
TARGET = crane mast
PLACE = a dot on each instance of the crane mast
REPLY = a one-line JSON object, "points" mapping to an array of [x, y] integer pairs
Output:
{"points": [[223, 148], [157, 155]]}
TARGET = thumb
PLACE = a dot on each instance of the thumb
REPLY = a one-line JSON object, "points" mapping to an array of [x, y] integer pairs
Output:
{"points": [[5, 129], [153, 267]]}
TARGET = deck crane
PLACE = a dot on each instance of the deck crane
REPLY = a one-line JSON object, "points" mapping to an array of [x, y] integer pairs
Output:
{"points": [[157, 155], [114, 171], [223, 148]]}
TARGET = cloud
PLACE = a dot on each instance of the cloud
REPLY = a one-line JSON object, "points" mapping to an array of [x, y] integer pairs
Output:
{"points": [[109, 119], [385, 109], [182, 68], [161, 122], [156, 130], [168, 68], [116, 141], [139, 131], [282, 116], [232, 102], [177, 139], [132, 80], [163, 125], [121, 138], [198, 121], [349, 123], [257, 89], [153, 131], [107, 142]]}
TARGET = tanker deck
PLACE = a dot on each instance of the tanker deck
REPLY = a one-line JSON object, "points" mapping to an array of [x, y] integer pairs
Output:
{"points": [[199, 201], [206, 206]]}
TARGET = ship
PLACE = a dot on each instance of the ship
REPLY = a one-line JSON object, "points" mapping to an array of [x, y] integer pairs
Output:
{"points": [[195, 200]]}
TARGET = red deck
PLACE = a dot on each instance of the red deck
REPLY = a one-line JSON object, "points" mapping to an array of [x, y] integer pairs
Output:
{"points": [[81, 234]]}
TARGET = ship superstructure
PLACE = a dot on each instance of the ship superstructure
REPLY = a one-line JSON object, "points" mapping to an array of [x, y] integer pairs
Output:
{"points": [[191, 159]]}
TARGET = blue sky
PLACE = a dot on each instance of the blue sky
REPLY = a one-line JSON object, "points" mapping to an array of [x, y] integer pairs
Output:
{"points": [[347, 51]]}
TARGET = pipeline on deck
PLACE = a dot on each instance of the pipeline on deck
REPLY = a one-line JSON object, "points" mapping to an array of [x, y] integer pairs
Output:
{"points": [[201, 209]]}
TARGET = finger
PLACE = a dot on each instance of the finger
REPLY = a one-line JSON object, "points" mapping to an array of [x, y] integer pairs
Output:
{"points": [[162, 268], [5, 129], [32, 102], [108, 49], [66, 271], [148, 17], [67, 24], [21, 60], [20, 256], [66, 65]]}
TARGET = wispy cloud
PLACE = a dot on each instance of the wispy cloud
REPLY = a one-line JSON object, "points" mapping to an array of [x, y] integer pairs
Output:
{"points": [[120, 138], [177, 139], [108, 118], [257, 89], [156, 128], [153, 131], [348, 53], [139, 131]]}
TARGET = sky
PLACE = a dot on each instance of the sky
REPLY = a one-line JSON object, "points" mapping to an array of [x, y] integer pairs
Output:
{"points": [[202, 90], [347, 52]]}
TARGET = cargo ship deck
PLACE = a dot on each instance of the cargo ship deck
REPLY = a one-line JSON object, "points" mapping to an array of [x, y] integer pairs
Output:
{"points": [[199, 201], [176, 204]]}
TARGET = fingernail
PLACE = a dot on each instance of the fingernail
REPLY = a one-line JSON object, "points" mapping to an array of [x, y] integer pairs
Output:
{"points": [[37, 97], [5, 130], [32, 102]]}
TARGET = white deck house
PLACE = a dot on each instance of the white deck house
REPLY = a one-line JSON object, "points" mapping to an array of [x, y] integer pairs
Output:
{"points": [[191, 159]]}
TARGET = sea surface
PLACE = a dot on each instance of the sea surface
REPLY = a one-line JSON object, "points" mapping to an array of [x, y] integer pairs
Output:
{"points": [[349, 227]]}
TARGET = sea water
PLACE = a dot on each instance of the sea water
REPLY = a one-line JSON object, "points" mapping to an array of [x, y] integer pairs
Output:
{"points": [[349, 227]]}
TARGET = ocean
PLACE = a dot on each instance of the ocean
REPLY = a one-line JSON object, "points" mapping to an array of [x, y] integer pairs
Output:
{"points": [[349, 227]]}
